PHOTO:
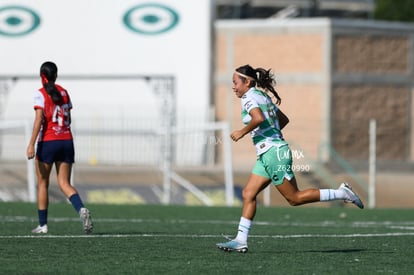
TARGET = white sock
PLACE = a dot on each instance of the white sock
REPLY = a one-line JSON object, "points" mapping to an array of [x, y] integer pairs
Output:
{"points": [[243, 230], [331, 194]]}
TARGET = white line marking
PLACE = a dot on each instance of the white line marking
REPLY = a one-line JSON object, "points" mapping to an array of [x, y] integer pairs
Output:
{"points": [[46, 236], [408, 225], [401, 225]]}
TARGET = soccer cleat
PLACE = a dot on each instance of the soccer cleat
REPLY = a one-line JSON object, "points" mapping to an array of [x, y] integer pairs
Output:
{"points": [[351, 196], [233, 245], [40, 229], [85, 216]]}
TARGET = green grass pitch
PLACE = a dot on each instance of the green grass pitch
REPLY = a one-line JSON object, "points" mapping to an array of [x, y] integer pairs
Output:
{"points": [[155, 239]]}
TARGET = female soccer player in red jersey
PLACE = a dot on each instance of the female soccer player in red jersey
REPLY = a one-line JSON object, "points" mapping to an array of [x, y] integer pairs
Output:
{"points": [[52, 131]]}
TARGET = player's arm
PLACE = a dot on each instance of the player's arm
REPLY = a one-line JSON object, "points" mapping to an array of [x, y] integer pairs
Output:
{"points": [[283, 119], [257, 117], [36, 129]]}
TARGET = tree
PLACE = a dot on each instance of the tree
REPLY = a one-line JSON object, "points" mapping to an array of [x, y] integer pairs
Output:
{"points": [[392, 10]]}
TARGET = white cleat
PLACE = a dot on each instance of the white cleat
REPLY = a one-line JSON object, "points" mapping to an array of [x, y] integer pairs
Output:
{"points": [[40, 229], [85, 216], [233, 245], [352, 197]]}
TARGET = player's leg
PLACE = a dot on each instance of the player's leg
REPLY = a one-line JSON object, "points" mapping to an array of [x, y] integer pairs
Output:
{"points": [[43, 173], [278, 163], [65, 159], [254, 186], [256, 183], [291, 193], [63, 170]]}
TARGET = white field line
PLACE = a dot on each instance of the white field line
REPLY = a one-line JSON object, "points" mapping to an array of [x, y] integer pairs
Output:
{"points": [[403, 225], [408, 225], [295, 236]]}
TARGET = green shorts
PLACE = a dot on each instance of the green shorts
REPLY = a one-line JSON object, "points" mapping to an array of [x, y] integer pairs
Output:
{"points": [[275, 164]]}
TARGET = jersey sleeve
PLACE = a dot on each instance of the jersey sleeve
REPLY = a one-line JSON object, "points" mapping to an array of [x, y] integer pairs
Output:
{"points": [[249, 103], [39, 100]]}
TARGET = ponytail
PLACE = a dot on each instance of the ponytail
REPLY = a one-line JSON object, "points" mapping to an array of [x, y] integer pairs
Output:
{"points": [[265, 80], [48, 74], [54, 93], [261, 78]]}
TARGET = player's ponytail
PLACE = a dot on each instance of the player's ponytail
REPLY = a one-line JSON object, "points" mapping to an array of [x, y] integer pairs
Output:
{"points": [[48, 73], [265, 80], [261, 78]]}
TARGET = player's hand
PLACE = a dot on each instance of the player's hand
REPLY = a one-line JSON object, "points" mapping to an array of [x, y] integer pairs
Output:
{"points": [[236, 135], [30, 152]]}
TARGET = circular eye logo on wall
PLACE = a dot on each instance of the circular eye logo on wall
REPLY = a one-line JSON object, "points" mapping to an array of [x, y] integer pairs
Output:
{"points": [[151, 19], [17, 21]]}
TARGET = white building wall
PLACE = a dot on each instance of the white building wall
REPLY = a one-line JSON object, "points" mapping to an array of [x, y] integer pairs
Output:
{"points": [[97, 38]]}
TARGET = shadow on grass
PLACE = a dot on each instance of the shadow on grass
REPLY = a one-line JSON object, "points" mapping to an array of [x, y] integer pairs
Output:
{"points": [[342, 251], [129, 233], [336, 250]]}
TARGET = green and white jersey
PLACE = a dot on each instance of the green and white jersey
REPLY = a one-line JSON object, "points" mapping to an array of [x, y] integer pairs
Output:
{"points": [[268, 133]]}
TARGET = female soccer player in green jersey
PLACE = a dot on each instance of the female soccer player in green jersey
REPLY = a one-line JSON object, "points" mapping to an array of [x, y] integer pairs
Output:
{"points": [[264, 121]]}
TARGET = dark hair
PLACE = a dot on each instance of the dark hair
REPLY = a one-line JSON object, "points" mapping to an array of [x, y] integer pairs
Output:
{"points": [[49, 71], [261, 78]]}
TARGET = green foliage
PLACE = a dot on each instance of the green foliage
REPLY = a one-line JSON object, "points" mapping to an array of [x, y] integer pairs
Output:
{"points": [[156, 239], [394, 10]]}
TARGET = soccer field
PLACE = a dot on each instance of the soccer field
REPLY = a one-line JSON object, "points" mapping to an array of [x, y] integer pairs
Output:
{"points": [[154, 239]]}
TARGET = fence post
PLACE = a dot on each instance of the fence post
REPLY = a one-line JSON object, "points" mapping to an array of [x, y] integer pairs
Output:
{"points": [[31, 184], [228, 166], [372, 163]]}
